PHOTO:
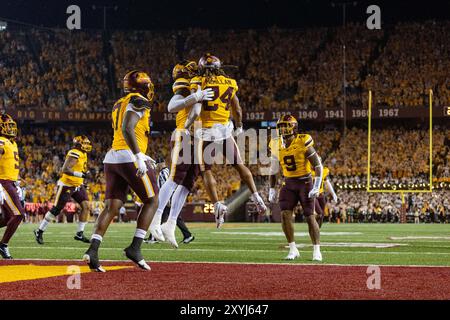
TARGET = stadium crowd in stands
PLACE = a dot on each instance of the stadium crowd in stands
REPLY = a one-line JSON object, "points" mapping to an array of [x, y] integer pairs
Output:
{"points": [[277, 69]]}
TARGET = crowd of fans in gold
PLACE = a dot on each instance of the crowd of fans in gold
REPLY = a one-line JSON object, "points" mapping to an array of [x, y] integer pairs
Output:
{"points": [[277, 69]]}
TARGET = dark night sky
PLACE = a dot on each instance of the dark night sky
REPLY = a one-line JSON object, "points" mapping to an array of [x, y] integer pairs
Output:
{"points": [[166, 14]]}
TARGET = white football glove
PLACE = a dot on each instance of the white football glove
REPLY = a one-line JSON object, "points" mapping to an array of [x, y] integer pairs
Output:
{"points": [[335, 198], [2, 195], [314, 192], [152, 162], [238, 131], [272, 195], [141, 166], [203, 95]]}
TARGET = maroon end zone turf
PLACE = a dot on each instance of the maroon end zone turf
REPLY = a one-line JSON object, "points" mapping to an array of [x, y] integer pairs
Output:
{"points": [[236, 281]]}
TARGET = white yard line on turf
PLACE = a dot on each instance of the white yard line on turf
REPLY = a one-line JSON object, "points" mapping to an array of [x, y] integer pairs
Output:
{"points": [[242, 250], [298, 264]]}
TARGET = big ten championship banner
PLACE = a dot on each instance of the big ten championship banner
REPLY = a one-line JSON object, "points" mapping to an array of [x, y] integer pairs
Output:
{"points": [[248, 116]]}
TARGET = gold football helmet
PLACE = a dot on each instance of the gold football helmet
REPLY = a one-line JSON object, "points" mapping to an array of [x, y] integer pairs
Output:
{"points": [[8, 127], [140, 82], [83, 143], [185, 69], [287, 125]]}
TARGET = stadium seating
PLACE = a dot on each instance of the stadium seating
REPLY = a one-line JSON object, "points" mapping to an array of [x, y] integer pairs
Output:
{"points": [[278, 69]]}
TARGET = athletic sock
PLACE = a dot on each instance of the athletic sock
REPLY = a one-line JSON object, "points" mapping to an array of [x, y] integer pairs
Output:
{"points": [[49, 217], [140, 233], [165, 193], [316, 247], [139, 236], [157, 217], [178, 200], [292, 246], [97, 237], [81, 226]]}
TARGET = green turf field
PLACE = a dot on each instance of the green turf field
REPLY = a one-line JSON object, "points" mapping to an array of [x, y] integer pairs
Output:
{"points": [[251, 242]]}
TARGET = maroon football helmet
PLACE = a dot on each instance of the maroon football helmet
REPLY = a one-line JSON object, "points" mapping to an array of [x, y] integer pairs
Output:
{"points": [[209, 61]]}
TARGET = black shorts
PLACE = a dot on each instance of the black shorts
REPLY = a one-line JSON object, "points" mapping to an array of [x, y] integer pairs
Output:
{"points": [[295, 190]]}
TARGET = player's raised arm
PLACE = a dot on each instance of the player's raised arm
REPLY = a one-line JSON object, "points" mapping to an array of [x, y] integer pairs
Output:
{"points": [[315, 161], [179, 102]]}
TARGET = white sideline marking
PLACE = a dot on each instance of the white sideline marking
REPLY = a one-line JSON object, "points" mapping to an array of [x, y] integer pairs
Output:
{"points": [[281, 234], [298, 264], [354, 245], [419, 238], [241, 250]]}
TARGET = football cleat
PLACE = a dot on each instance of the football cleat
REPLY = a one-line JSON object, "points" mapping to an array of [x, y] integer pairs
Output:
{"points": [[188, 239], [293, 254], [4, 252], [317, 256], [220, 210], [38, 236], [135, 255], [155, 230], [260, 205], [91, 258], [168, 229], [80, 237]]}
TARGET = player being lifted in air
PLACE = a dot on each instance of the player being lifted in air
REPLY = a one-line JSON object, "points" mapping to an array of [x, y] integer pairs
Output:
{"points": [[321, 200], [183, 172], [296, 154], [127, 165], [217, 129], [12, 211], [70, 185]]}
